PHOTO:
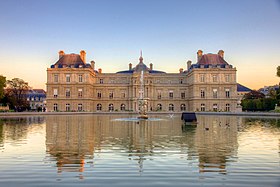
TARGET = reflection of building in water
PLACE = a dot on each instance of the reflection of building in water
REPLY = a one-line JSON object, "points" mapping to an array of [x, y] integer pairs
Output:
{"points": [[69, 139], [216, 142]]}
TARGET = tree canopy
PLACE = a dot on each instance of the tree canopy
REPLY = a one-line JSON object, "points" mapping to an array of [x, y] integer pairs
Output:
{"points": [[16, 93], [278, 71], [2, 86]]}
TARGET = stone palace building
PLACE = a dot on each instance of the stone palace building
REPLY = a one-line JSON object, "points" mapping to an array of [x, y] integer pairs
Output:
{"points": [[208, 85]]}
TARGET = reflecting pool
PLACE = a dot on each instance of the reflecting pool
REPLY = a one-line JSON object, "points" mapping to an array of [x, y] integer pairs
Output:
{"points": [[104, 150]]}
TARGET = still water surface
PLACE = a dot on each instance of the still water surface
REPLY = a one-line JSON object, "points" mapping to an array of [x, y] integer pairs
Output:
{"points": [[92, 150]]}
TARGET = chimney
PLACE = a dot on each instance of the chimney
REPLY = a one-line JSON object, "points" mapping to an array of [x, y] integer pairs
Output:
{"points": [[189, 63], [61, 53], [151, 66], [181, 70], [199, 55], [130, 66], [100, 70], [92, 64], [83, 55], [221, 53]]}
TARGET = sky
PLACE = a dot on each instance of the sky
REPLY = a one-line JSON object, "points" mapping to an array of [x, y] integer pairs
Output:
{"points": [[113, 32]]}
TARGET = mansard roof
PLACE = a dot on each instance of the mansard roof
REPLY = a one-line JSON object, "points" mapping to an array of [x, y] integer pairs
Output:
{"points": [[70, 59], [213, 59], [241, 88]]}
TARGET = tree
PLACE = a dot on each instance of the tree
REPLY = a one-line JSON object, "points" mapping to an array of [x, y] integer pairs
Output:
{"points": [[2, 86], [278, 71], [16, 93]]}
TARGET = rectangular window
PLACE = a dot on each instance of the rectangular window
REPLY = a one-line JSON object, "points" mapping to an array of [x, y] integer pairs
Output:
{"points": [[183, 95], [67, 92], [215, 78], [201, 78], [55, 108], [101, 81], [80, 78], [215, 93], [111, 95], [99, 95], [55, 93], [80, 92], [227, 93], [227, 78], [67, 107], [202, 107], [202, 93], [123, 94], [170, 94], [159, 94], [68, 78], [55, 78]]}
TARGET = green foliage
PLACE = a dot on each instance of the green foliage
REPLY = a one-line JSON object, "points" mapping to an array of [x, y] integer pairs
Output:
{"points": [[261, 104], [16, 94], [2, 86], [278, 71]]}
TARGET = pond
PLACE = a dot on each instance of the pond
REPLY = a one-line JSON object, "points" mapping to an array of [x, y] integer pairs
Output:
{"points": [[109, 150]]}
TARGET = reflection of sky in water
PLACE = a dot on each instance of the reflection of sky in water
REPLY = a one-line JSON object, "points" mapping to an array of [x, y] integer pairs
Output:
{"points": [[123, 150]]}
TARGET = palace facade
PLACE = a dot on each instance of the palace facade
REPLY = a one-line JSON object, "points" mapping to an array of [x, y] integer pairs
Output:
{"points": [[208, 85]]}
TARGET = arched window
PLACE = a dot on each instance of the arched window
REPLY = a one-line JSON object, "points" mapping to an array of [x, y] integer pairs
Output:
{"points": [[67, 107], [111, 107], [55, 108], [80, 107], [183, 107], [99, 107], [171, 107], [122, 107], [227, 107], [159, 107], [202, 107], [215, 107]]}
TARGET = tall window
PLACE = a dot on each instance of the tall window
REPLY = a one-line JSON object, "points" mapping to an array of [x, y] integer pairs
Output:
{"points": [[215, 93], [123, 94], [99, 95], [55, 78], [122, 107], [67, 107], [159, 107], [101, 81], [202, 107], [111, 95], [55, 93], [181, 81], [202, 78], [80, 107], [68, 78], [159, 94], [183, 107], [227, 78], [227, 107], [215, 107], [80, 78], [171, 94], [55, 108], [202, 93], [215, 78], [80, 92], [111, 107], [227, 93], [99, 107], [183, 95], [67, 92], [171, 107]]}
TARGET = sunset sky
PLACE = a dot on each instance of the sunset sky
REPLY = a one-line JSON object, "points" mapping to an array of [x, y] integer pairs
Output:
{"points": [[112, 32]]}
